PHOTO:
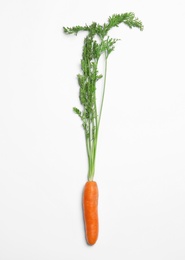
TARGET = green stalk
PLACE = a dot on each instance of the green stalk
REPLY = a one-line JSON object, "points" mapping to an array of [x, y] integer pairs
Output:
{"points": [[94, 147], [92, 51], [105, 76]]}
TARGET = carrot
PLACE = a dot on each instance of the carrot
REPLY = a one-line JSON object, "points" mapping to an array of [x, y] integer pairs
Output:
{"points": [[97, 44], [90, 208]]}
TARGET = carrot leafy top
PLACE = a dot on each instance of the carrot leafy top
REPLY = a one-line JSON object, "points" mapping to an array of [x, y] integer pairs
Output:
{"points": [[93, 49]]}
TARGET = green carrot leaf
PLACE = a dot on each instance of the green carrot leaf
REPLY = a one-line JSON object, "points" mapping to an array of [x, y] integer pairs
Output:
{"points": [[97, 43]]}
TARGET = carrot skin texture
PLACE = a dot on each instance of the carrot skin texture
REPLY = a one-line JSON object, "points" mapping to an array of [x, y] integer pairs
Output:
{"points": [[90, 210]]}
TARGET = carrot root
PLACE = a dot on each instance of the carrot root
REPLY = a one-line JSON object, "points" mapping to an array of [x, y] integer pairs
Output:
{"points": [[90, 210]]}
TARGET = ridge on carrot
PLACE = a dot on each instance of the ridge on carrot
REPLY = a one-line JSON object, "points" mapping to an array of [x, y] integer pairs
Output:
{"points": [[90, 114]]}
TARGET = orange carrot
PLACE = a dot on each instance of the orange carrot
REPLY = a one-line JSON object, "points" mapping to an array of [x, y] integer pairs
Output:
{"points": [[90, 112], [90, 208]]}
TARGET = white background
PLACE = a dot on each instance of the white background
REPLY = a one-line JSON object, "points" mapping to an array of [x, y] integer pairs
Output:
{"points": [[140, 166]]}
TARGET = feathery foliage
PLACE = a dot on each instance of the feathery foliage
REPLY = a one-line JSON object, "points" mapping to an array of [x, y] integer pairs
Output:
{"points": [[92, 51]]}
